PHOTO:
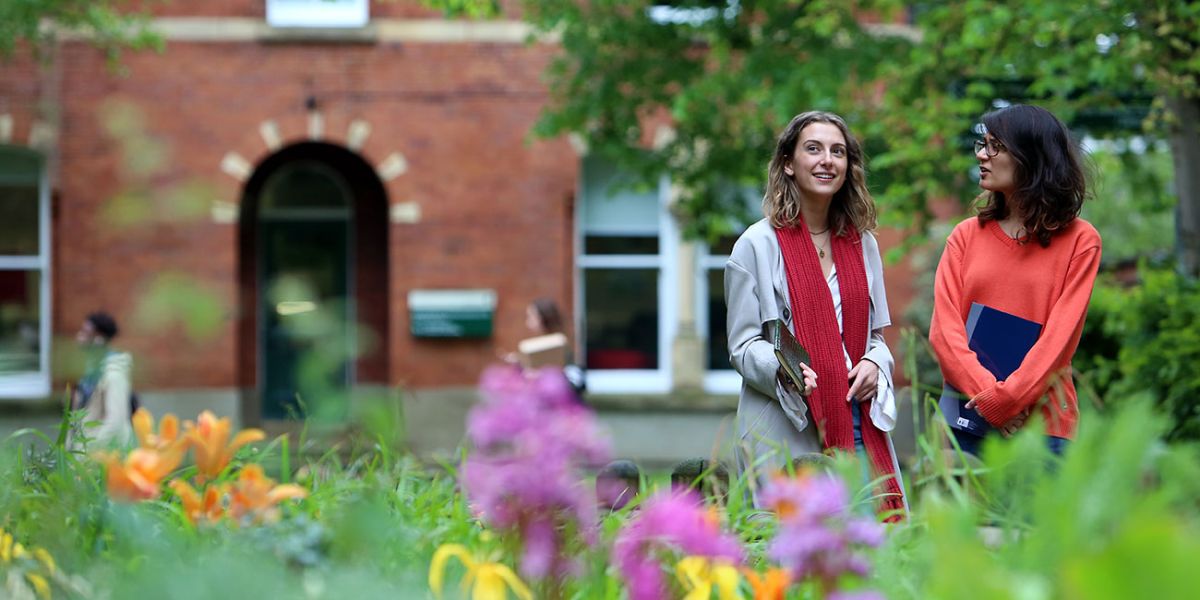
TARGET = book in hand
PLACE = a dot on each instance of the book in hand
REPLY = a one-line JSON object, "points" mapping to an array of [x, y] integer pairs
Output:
{"points": [[543, 351], [1000, 341], [788, 350]]}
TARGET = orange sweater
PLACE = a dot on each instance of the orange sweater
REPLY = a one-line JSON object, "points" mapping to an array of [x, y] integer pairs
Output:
{"points": [[1050, 285]]}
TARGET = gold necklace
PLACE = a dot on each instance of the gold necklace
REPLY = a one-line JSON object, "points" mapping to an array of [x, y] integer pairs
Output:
{"points": [[821, 248]]}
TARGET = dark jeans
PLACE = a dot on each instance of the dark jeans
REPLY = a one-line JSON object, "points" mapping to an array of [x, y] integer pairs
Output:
{"points": [[971, 443], [855, 412]]}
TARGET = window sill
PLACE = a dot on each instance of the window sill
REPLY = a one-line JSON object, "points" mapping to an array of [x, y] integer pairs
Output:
{"points": [[24, 388], [678, 401], [367, 34]]}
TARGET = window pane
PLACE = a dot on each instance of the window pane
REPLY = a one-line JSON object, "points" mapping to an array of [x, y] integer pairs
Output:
{"points": [[611, 202], [18, 219], [305, 185], [317, 13], [20, 322], [620, 244], [718, 344], [622, 318], [724, 245]]}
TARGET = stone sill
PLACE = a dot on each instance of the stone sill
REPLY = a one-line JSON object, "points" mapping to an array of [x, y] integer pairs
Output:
{"points": [[679, 401], [320, 35]]}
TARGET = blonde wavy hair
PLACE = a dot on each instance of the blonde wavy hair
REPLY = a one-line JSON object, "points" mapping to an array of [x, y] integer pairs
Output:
{"points": [[852, 204]]}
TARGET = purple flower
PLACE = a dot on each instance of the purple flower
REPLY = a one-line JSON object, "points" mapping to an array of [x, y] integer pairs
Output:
{"points": [[818, 536], [856, 595], [531, 441], [676, 522]]}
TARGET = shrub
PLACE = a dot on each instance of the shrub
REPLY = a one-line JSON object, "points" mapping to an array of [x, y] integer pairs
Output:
{"points": [[1144, 342]]}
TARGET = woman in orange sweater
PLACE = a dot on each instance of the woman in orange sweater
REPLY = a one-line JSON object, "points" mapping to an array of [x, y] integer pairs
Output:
{"points": [[1028, 254]]}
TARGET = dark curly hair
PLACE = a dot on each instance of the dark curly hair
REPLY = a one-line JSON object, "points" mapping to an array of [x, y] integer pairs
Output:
{"points": [[1051, 185], [105, 325]]}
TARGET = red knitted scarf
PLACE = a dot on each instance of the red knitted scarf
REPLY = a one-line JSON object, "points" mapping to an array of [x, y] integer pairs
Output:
{"points": [[815, 326]]}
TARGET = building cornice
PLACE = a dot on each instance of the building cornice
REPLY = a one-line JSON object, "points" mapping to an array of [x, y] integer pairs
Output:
{"points": [[427, 31]]}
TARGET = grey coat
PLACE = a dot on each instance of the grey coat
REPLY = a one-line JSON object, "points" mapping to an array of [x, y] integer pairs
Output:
{"points": [[772, 423]]}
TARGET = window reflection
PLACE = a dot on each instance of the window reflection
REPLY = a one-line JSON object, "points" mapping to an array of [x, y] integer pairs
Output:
{"points": [[622, 318]]}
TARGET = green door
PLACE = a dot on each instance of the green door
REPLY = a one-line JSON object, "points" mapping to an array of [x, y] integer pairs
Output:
{"points": [[305, 299]]}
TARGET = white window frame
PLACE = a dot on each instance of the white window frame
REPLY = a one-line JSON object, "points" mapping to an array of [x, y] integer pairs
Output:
{"points": [[34, 386], [668, 14], [716, 381], [318, 14], [632, 381]]}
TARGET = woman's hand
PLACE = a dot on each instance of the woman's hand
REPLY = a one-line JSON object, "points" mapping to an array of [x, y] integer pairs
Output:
{"points": [[864, 381], [1010, 428], [810, 380]]}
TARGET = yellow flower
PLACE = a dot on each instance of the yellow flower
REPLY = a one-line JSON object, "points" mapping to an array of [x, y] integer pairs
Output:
{"points": [[196, 507], [40, 585], [46, 559], [698, 576], [210, 438], [11, 550], [167, 435], [254, 494], [139, 475], [492, 580], [771, 585]]}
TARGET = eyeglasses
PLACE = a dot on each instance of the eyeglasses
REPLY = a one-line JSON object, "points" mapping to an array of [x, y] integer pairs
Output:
{"points": [[994, 147]]}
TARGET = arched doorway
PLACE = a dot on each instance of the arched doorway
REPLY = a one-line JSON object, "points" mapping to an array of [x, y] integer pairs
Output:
{"points": [[313, 280]]}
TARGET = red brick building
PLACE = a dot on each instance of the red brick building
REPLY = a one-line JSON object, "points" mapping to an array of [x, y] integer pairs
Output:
{"points": [[361, 166]]}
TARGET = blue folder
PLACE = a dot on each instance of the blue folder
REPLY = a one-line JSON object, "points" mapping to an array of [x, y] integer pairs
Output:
{"points": [[1000, 341]]}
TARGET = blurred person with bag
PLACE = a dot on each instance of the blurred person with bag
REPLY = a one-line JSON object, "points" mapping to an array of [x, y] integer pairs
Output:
{"points": [[104, 393]]}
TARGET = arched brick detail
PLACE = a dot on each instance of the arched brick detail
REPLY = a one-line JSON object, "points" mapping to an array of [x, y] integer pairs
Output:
{"points": [[32, 133], [271, 134]]}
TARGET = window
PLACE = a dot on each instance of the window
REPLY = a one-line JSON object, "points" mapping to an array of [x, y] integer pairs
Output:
{"points": [[626, 272], [711, 317], [317, 13], [711, 313], [694, 12], [24, 275]]}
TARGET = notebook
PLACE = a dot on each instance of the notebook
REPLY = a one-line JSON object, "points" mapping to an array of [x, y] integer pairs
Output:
{"points": [[1000, 341]]}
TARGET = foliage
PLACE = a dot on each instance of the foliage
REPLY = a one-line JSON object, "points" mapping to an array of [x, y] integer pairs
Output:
{"points": [[1142, 343], [1131, 205], [107, 23], [1058, 527], [1091, 67], [728, 75], [725, 78], [1116, 518]]}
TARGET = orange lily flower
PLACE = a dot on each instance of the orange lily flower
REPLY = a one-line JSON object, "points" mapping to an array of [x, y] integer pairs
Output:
{"points": [[207, 508], [210, 438], [254, 494], [167, 435], [771, 585], [138, 477]]}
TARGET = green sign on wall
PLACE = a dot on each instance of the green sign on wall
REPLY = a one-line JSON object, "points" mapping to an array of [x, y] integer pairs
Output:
{"points": [[451, 313]]}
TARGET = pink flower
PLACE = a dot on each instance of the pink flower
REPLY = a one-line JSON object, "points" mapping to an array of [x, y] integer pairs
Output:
{"points": [[678, 523], [856, 595], [818, 537], [531, 441]]}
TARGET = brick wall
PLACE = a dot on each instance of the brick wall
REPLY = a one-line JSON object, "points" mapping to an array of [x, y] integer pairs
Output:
{"points": [[495, 205]]}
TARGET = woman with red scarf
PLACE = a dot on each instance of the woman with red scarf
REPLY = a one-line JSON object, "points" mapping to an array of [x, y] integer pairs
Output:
{"points": [[814, 263]]}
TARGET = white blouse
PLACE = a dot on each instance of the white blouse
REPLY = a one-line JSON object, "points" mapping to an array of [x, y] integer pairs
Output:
{"points": [[883, 405]]}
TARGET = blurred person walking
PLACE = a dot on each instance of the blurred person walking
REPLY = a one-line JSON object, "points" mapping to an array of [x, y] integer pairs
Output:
{"points": [[104, 393]]}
